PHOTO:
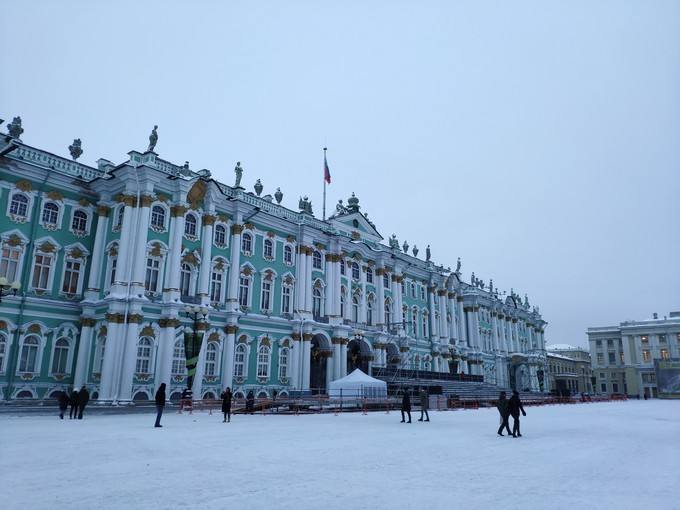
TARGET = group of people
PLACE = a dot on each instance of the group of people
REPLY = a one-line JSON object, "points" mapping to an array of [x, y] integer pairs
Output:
{"points": [[510, 407], [77, 400], [406, 406], [226, 397]]}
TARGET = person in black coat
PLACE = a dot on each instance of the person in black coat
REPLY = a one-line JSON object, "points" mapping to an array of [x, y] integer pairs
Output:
{"points": [[250, 402], [515, 406], [63, 404], [504, 410], [73, 413], [83, 399], [226, 405], [406, 406], [160, 404]]}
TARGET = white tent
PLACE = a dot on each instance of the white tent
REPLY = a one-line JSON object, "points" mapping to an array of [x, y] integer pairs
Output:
{"points": [[357, 385]]}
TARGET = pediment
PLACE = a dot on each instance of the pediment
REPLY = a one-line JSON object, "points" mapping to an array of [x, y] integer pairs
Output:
{"points": [[356, 222]]}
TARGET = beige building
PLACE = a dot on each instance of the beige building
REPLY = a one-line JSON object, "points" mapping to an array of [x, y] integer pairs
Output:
{"points": [[569, 369], [623, 356]]}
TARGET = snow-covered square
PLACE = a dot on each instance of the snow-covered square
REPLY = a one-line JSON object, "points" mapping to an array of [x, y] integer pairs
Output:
{"points": [[606, 455]]}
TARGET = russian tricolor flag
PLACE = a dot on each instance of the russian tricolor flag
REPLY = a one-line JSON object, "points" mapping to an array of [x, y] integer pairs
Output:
{"points": [[326, 171]]}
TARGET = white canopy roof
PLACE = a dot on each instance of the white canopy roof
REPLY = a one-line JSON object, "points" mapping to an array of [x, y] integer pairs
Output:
{"points": [[357, 384]]}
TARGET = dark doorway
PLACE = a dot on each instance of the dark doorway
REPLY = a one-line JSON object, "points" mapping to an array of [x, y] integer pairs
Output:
{"points": [[356, 358], [317, 372]]}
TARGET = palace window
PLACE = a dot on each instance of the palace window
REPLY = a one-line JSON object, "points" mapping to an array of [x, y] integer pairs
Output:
{"points": [[220, 235], [144, 348], [343, 267], [211, 359], [179, 366], [422, 292], [426, 332], [386, 281], [71, 277], [246, 243], [113, 264], [369, 275], [317, 262], [355, 271], [240, 360], [600, 358], [288, 255], [266, 295], [99, 354], [286, 299], [646, 355], [268, 249], [283, 363], [662, 339], [29, 354], [665, 354], [355, 308], [428, 364], [388, 312], [317, 303], [41, 271], [185, 280], [414, 322], [153, 269], [244, 291], [9, 262], [50, 214], [60, 356], [612, 358], [118, 224], [19, 205], [158, 217], [263, 361], [621, 356], [413, 289], [645, 339], [190, 226], [79, 222], [370, 305], [403, 288], [216, 279]]}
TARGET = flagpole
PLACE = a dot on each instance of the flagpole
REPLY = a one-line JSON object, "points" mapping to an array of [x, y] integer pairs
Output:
{"points": [[324, 185]]}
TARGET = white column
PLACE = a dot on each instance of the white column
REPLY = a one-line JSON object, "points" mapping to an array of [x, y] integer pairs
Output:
{"points": [[206, 258], [308, 279], [129, 359], [172, 272], [329, 372], [228, 357], [307, 359], [443, 325], [330, 290], [343, 358], [338, 283], [197, 388], [123, 266], [494, 332], [295, 348], [462, 334], [337, 361], [234, 267], [475, 321], [96, 262], [380, 289], [453, 331], [139, 262], [111, 356], [84, 350], [362, 299], [301, 281], [433, 318], [166, 347]]}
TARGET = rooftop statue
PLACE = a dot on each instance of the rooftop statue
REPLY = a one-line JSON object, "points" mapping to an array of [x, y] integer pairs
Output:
{"points": [[353, 204], [238, 170], [305, 205], [526, 301], [153, 139], [473, 279], [394, 242], [428, 253], [458, 264], [14, 128], [405, 247], [339, 208], [278, 195], [491, 286], [75, 149], [415, 250], [258, 187]]}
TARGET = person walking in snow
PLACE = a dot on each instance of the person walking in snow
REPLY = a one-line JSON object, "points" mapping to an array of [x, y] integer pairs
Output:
{"points": [[424, 404], [503, 408], [515, 406], [83, 399], [250, 402], [406, 406], [73, 413], [160, 404], [226, 405], [63, 404]]}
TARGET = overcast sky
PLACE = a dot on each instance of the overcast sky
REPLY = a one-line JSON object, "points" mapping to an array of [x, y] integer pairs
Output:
{"points": [[539, 141]]}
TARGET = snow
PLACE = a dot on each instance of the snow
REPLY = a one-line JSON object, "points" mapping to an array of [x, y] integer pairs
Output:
{"points": [[607, 455], [563, 347]]}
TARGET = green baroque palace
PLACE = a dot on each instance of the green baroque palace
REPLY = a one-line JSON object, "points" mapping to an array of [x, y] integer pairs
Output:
{"points": [[108, 258]]}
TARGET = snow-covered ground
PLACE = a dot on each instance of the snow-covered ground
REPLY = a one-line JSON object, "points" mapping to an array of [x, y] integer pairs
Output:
{"points": [[609, 455]]}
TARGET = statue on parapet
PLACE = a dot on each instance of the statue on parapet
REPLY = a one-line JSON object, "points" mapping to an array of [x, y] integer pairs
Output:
{"points": [[14, 128], [76, 149], [153, 139], [340, 208], [428, 253], [238, 170], [394, 242], [458, 264]]}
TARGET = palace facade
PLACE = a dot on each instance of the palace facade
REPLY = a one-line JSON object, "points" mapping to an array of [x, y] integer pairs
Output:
{"points": [[109, 257]]}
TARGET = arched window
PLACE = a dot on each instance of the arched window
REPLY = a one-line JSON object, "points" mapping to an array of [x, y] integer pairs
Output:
{"points": [[414, 322], [153, 270], [216, 284], [158, 217], [60, 357], [386, 280], [388, 312], [317, 263], [220, 235], [71, 277], [185, 280], [288, 255], [266, 294], [99, 354], [263, 361], [268, 248], [425, 325], [287, 298], [355, 308], [9, 262], [413, 289], [42, 269], [29, 354], [79, 223], [244, 290], [369, 275], [246, 243], [118, 224], [240, 360], [343, 267], [355, 271], [179, 366], [19, 205], [190, 225], [370, 305], [211, 359], [50, 214], [3, 352], [283, 363], [144, 348], [404, 316], [317, 302]]}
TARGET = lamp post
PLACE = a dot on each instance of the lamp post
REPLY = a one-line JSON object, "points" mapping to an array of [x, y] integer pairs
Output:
{"points": [[7, 288], [193, 339]]}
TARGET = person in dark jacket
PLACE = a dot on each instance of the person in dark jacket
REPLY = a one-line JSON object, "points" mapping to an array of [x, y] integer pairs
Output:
{"points": [[83, 399], [63, 404], [160, 404], [504, 410], [424, 404], [406, 406], [73, 412], [515, 406], [250, 402], [226, 405]]}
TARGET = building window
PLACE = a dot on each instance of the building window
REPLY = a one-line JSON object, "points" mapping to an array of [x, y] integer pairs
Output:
{"points": [[118, 224], [662, 339], [41, 271], [414, 322], [369, 275], [355, 308], [422, 292], [283, 364], [665, 354], [317, 262], [355, 271], [388, 313], [244, 291], [9, 263], [317, 303], [185, 280], [603, 386], [425, 325], [343, 267], [645, 339], [71, 277], [60, 357], [190, 226], [144, 355], [29, 354], [266, 295], [370, 305], [413, 289], [158, 217], [268, 249], [263, 362], [19, 205], [112, 269], [50, 214], [153, 268], [645, 355], [79, 222], [179, 366], [403, 288], [615, 387], [240, 360], [288, 255], [220, 235], [612, 358], [386, 281], [246, 243], [600, 358], [216, 277], [211, 359], [287, 299]]}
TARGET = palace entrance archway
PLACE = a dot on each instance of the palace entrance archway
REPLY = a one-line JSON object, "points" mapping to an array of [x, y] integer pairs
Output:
{"points": [[320, 352]]}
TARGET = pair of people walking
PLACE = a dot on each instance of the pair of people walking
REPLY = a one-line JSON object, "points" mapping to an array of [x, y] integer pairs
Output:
{"points": [[78, 400], [508, 408], [406, 406]]}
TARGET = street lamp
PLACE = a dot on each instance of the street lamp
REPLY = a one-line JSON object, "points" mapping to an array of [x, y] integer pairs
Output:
{"points": [[193, 339], [7, 288]]}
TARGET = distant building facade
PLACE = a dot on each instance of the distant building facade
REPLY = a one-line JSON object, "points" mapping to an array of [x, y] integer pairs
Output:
{"points": [[569, 369], [623, 356]]}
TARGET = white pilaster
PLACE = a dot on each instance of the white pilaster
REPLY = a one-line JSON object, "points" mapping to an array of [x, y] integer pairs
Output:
{"points": [[206, 258], [96, 263], [172, 272], [234, 265], [84, 350]]}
